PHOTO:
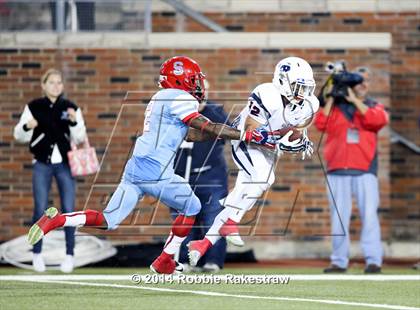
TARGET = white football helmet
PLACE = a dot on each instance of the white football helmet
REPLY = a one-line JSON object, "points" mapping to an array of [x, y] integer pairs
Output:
{"points": [[294, 78]]}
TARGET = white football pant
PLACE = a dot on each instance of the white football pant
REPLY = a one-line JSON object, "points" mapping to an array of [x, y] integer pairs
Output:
{"points": [[255, 176]]}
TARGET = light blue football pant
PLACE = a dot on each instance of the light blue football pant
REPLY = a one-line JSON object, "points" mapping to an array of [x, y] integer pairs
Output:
{"points": [[366, 191], [174, 192]]}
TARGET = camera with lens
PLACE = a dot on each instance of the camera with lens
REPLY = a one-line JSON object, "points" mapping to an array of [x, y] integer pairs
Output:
{"points": [[340, 79]]}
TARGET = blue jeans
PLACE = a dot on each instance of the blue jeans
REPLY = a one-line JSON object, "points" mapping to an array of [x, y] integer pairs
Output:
{"points": [[41, 185]]}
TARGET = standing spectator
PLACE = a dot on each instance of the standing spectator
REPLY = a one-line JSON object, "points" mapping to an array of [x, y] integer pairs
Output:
{"points": [[85, 11], [49, 124], [208, 179], [351, 128]]}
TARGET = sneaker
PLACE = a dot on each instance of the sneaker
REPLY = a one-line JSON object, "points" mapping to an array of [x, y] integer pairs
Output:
{"points": [[45, 224], [230, 231], [190, 269], [211, 267], [334, 269], [38, 263], [67, 265], [372, 268], [196, 250], [166, 264]]}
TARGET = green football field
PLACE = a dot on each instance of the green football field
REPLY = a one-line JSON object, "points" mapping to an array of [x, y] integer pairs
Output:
{"points": [[234, 288]]}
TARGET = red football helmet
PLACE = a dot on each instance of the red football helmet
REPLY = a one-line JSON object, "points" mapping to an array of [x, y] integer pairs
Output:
{"points": [[183, 73]]}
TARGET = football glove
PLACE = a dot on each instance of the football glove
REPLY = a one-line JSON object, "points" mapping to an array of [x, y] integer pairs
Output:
{"points": [[308, 146], [302, 145], [294, 146], [262, 137]]}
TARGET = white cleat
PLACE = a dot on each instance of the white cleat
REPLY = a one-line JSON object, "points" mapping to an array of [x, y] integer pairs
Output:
{"points": [[235, 239], [67, 265], [194, 256], [211, 267], [38, 263]]}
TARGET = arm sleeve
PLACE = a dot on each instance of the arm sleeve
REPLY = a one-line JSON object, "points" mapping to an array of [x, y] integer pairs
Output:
{"points": [[375, 118], [321, 120], [78, 131], [19, 133], [184, 108]]}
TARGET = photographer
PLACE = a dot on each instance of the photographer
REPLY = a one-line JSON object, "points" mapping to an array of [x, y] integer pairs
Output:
{"points": [[351, 121]]}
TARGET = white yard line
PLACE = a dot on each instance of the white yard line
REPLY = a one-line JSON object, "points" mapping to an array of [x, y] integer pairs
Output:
{"points": [[208, 293], [222, 277]]}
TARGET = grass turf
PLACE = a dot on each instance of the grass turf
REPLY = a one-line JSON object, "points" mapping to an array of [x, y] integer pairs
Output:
{"points": [[30, 295]]}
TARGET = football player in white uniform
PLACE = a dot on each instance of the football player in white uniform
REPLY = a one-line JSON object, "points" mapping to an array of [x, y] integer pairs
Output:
{"points": [[287, 102]]}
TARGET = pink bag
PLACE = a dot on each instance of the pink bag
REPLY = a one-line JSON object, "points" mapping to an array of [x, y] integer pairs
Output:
{"points": [[83, 161]]}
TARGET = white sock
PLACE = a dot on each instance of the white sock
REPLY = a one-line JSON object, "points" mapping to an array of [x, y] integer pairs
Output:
{"points": [[213, 234], [75, 219], [173, 243]]}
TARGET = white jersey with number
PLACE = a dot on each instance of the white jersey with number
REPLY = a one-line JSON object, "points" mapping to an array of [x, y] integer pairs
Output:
{"points": [[265, 105]]}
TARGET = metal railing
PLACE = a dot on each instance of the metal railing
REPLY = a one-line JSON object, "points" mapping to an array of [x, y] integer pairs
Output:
{"points": [[75, 15]]}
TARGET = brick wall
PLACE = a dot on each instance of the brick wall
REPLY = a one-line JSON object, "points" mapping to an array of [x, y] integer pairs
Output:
{"points": [[97, 80], [405, 83]]}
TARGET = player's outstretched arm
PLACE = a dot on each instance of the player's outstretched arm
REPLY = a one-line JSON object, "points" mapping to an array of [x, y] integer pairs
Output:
{"points": [[207, 130], [195, 135], [258, 136]]}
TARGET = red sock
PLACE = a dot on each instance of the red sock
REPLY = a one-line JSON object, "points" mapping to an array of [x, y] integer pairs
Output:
{"points": [[182, 225], [94, 218], [83, 218]]}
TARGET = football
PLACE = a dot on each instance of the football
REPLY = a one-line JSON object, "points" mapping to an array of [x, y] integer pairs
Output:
{"points": [[297, 134]]}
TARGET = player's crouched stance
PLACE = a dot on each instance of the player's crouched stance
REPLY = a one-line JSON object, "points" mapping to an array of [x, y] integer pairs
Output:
{"points": [[171, 116], [288, 102]]}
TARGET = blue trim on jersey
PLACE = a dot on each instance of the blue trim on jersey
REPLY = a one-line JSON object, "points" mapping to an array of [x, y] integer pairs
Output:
{"points": [[244, 149], [259, 101], [238, 161]]}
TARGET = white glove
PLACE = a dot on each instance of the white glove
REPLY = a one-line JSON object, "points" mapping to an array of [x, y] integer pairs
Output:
{"points": [[302, 145], [308, 149], [285, 145]]}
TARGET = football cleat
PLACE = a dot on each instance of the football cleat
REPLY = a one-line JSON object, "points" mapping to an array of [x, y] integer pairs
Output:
{"points": [[230, 231], [197, 249], [43, 226], [165, 264]]}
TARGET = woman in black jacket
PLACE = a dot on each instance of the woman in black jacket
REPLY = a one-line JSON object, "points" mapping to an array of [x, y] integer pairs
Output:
{"points": [[50, 124]]}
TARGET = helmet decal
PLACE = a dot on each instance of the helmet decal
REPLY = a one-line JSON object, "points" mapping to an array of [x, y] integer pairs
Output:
{"points": [[285, 68], [178, 68]]}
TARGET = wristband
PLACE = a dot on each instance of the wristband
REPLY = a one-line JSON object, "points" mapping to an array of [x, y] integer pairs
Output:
{"points": [[204, 126], [247, 137]]}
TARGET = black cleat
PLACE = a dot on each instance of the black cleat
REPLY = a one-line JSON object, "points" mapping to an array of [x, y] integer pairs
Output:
{"points": [[372, 268], [334, 269]]}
